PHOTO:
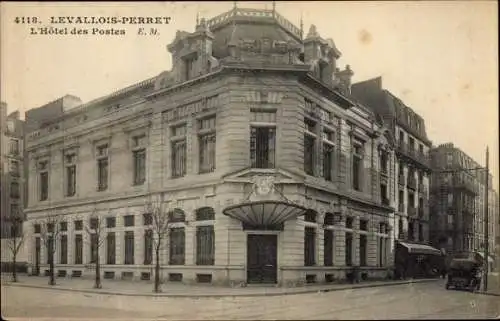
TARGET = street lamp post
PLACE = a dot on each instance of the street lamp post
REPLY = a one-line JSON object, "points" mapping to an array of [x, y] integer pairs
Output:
{"points": [[486, 221]]}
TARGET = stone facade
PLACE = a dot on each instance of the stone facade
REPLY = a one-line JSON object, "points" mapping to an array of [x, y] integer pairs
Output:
{"points": [[229, 81]]}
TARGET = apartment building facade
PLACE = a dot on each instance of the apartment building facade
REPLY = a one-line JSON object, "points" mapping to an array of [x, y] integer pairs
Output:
{"points": [[269, 173], [458, 196], [412, 167], [12, 173]]}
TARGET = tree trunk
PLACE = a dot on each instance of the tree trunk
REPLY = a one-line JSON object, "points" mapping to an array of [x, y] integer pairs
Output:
{"points": [[52, 280], [14, 271], [97, 269], [157, 270]]}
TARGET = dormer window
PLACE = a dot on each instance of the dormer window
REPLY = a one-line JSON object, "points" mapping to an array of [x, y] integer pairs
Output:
{"points": [[188, 68]]}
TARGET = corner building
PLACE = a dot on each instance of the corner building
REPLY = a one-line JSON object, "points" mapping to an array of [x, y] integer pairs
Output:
{"points": [[271, 173]]}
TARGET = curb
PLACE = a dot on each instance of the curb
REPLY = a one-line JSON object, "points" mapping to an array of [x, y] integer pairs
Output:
{"points": [[167, 295]]}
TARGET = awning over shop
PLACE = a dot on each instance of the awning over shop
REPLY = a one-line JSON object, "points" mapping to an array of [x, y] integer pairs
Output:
{"points": [[490, 259], [264, 213], [420, 248]]}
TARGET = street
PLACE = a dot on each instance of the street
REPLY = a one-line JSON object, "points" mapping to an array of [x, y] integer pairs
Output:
{"points": [[411, 301]]}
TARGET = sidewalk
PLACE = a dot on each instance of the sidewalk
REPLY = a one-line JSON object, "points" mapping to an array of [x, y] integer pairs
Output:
{"points": [[493, 284], [137, 288]]}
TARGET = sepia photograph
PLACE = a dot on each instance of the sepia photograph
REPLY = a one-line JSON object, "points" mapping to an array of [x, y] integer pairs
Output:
{"points": [[257, 160]]}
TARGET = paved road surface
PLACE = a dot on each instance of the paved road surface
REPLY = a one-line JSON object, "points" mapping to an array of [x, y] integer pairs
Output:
{"points": [[412, 301]]}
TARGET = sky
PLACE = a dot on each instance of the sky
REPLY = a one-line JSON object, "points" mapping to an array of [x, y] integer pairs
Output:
{"points": [[440, 58]]}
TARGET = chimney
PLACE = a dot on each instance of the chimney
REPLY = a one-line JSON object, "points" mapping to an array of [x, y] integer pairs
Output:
{"points": [[344, 79]]}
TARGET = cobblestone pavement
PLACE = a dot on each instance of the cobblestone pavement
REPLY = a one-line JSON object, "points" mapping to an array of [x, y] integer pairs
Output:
{"points": [[410, 301]]}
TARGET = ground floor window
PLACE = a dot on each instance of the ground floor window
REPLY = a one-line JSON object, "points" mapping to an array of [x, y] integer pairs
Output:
{"points": [[110, 248], [129, 248], [205, 245], [348, 248], [328, 247], [63, 259], [177, 246], [148, 247], [78, 249], [363, 245], [309, 246]]}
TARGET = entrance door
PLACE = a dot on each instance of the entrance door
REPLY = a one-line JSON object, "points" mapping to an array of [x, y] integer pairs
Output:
{"points": [[262, 258]]}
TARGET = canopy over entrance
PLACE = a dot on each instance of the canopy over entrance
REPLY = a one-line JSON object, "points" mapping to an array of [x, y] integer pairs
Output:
{"points": [[414, 248], [264, 213]]}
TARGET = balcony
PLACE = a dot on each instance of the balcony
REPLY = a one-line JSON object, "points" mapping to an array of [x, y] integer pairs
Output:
{"points": [[460, 183], [386, 201], [412, 183], [412, 153], [412, 211], [422, 189], [401, 179]]}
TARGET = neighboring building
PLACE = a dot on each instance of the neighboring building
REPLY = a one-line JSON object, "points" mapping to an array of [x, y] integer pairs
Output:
{"points": [[458, 196], [12, 185], [270, 172], [12, 171], [411, 168]]}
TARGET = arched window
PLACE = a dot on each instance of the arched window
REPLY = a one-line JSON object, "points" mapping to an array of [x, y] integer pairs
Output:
{"points": [[176, 215], [310, 216], [205, 214], [329, 219]]}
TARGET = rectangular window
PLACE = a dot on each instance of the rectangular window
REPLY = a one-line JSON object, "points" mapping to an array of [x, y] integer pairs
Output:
{"points": [[207, 144], [14, 168], [179, 158], [177, 246], [37, 228], [349, 222], [262, 147], [78, 225], [147, 219], [128, 220], [129, 247], [411, 233], [328, 247], [102, 174], [14, 210], [14, 146], [110, 222], [421, 232], [44, 186], [63, 259], [327, 161], [139, 166], [309, 145], [381, 252], [309, 246], [50, 249], [357, 166], [63, 226], [110, 248], [384, 161], [69, 162], [348, 249], [205, 245], [363, 245], [363, 225], [93, 248], [148, 247], [14, 190], [78, 249]]}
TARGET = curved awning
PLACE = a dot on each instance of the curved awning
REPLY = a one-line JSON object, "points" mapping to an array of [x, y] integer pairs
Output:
{"points": [[264, 213], [420, 248]]}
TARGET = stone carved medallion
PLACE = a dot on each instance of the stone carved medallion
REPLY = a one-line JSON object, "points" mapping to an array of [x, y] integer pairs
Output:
{"points": [[263, 185]]}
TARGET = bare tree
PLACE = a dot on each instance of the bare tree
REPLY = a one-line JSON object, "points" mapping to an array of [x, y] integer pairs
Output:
{"points": [[15, 241], [49, 233], [160, 227], [96, 231]]}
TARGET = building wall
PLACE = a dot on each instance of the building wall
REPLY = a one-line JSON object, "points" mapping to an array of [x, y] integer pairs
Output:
{"points": [[197, 190], [421, 190], [12, 168]]}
